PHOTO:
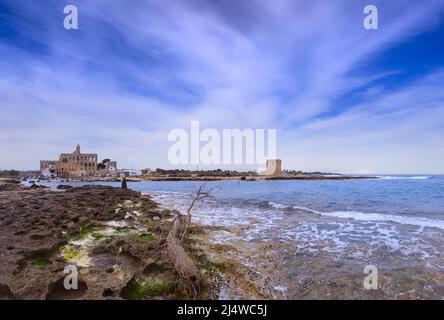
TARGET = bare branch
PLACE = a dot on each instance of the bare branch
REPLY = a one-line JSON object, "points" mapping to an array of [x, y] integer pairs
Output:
{"points": [[201, 193], [183, 264]]}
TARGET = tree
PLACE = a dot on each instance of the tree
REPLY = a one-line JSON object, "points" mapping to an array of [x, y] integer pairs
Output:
{"points": [[101, 166], [184, 265], [10, 173]]}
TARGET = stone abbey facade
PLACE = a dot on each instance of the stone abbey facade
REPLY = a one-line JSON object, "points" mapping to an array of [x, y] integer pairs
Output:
{"points": [[76, 165]]}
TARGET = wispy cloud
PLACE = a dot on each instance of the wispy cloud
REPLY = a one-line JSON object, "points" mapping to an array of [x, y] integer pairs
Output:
{"points": [[397, 132], [133, 72]]}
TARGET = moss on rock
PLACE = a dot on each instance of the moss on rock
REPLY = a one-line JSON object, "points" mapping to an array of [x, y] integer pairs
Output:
{"points": [[150, 287], [39, 262]]}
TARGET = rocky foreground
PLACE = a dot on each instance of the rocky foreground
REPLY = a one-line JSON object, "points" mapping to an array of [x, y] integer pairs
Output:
{"points": [[115, 237]]}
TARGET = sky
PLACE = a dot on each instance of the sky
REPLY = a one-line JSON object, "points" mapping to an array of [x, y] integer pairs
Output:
{"points": [[342, 98]]}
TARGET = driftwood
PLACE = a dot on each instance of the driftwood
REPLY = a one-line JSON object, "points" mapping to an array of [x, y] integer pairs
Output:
{"points": [[184, 265]]}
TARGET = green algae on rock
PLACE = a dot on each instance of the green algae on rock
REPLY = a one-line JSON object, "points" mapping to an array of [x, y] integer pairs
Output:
{"points": [[149, 287]]}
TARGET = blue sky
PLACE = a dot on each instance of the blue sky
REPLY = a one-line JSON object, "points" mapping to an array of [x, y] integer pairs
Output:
{"points": [[343, 98]]}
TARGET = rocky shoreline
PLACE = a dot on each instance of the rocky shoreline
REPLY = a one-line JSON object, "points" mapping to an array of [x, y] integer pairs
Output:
{"points": [[116, 239]]}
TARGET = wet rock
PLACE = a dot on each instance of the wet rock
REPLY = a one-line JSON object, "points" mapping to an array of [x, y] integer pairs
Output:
{"points": [[9, 180], [108, 292], [5, 293], [57, 291], [64, 187], [38, 186], [11, 186], [37, 222], [166, 212]]}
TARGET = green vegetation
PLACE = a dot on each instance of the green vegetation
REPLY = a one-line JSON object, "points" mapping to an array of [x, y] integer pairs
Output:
{"points": [[85, 230], [97, 235], [127, 232], [189, 173], [81, 234], [71, 255], [39, 262], [150, 287], [213, 266], [91, 233], [102, 165], [150, 223], [9, 173], [145, 237]]}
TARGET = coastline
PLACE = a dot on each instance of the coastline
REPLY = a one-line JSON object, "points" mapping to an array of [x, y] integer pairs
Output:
{"points": [[115, 237], [268, 250], [222, 178], [296, 252]]}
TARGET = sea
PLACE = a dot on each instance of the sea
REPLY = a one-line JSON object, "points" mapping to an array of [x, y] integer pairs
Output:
{"points": [[317, 238]]}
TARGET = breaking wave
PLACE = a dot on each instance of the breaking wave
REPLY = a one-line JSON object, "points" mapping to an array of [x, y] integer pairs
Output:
{"points": [[374, 217], [403, 178]]}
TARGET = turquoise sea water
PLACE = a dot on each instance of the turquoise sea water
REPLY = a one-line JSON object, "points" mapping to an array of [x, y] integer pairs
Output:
{"points": [[405, 199], [407, 196], [393, 222]]}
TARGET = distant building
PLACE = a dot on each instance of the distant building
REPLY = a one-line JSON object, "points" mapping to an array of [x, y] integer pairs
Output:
{"points": [[147, 172], [48, 168], [111, 166], [130, 172], [274, 168], [75, 164]]}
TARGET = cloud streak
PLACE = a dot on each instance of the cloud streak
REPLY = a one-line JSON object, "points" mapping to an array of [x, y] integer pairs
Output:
{"points": [[132, 73]]}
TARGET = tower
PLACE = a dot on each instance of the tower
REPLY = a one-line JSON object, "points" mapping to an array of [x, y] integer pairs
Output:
{"points": [[273, 168]]}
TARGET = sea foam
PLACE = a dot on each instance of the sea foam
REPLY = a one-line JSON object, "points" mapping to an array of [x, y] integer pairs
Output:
{"points": [[403, 178], [381, 217]]}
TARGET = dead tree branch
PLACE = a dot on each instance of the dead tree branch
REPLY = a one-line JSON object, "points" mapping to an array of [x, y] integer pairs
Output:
{"points": [[202, 193], [184, 265]]}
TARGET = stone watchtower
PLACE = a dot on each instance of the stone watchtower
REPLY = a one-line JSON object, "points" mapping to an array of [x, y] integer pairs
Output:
{"points": [[273, 168]]}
